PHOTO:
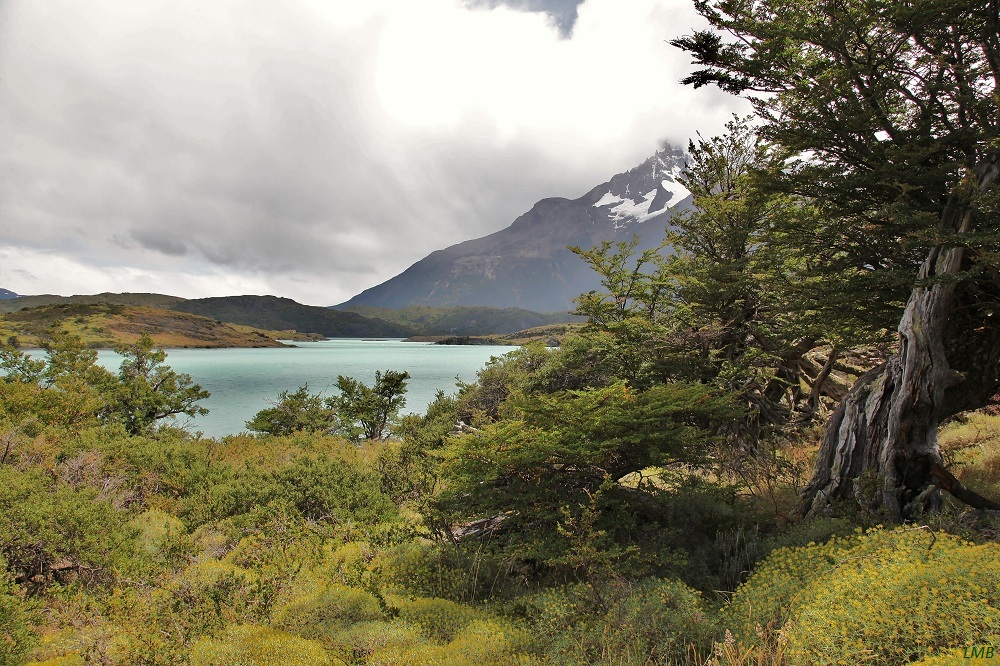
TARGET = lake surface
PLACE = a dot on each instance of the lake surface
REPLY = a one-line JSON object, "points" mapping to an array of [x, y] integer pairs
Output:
{"points": [[241, 381]]}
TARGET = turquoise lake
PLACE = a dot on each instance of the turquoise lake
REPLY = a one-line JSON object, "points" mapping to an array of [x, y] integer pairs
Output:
{"points": [[241, 381]]}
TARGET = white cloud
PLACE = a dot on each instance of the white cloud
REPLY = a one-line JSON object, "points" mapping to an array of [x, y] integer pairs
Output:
{"points": [[310, 148]]}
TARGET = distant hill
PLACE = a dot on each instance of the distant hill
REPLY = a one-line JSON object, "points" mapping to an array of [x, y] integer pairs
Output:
{"points": [[6, 294], [137, 299], [527, 265], [465, 320], [268, 313], [272, 312], [108, 324]]}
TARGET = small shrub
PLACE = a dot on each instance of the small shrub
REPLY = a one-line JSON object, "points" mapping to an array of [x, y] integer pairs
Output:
{"points": [[161, 537], [427, 570], [322, 613], [438, 619], [247, 645], [481, 643], [212, 594], [891, 597], [660, 619], [359, 641]]}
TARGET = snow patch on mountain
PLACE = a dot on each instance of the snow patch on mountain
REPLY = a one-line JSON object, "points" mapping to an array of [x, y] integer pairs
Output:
{"points": [[676, 190], [607, 200], [626, 210]]}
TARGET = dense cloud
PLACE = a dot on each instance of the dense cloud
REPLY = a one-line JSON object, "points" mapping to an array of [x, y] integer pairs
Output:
{"points": [[308, 148]]}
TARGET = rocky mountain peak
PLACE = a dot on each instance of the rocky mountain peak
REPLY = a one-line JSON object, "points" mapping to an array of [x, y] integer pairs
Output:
{"points": [[528, 265]]}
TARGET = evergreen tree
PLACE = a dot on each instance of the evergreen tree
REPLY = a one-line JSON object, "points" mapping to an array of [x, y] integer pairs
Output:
{"points": [[370, 411], [148, 391], [891, 110]]}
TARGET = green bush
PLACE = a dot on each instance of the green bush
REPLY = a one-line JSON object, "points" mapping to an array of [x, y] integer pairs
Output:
{"points": [[892, 597], [435, 570], [334, 490], [212, 594], [659, 620], [439, 620], [247, 645], [481, 643], [50, 531], [15, 626], [322, 613], [161, 536], [653, 622], [359, 641]]}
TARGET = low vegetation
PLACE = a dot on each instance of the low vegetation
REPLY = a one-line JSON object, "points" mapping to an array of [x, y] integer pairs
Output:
{"points": [[575, 526], [634, 496]]}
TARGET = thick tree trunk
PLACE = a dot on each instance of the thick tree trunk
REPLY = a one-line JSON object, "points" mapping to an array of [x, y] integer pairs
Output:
{"points": [[880, 445]]}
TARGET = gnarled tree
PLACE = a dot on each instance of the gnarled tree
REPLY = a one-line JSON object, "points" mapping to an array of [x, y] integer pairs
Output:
{"points": [[892, 107]]}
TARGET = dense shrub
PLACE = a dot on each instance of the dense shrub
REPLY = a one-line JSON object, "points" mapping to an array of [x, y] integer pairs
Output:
{"points": [[334, 490], [322, 613], [437, 570], [52, 531], [248, 645], [359, 641], [212, 594], [439, 620], [655, 621], [888, 596], [161, 537], [480, 643], [659, 620], [15, 632]]}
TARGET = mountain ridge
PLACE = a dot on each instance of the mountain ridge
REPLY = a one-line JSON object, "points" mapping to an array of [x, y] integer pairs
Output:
{"points": [[527, 264]]}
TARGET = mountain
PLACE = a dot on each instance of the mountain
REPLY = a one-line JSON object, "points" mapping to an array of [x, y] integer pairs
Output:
{"points": [[6, 294], [271, 312], [527, 264]]}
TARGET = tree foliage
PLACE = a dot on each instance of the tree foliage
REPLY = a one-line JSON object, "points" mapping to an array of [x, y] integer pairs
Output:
{"points": [[889, 112], [593, 458], [370, 411], [883, 104], [68, 388], [294, 412], [147, 391]]}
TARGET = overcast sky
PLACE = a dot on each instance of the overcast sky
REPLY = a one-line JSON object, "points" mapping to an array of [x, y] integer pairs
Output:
{"points": [[313, 148]]}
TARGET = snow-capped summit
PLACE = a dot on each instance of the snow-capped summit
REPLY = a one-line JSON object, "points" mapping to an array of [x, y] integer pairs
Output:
{"points": [[647, 191], [528, 265]]}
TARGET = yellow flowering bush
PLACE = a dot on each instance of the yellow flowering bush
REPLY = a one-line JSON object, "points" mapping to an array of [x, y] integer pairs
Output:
{"points": [[247, 645], [360, 640], [481, 643], [65, 660], [438, 619], [888, 597], [328, 610]]}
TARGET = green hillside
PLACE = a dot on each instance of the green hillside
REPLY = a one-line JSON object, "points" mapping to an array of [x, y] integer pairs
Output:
{"points": [[135, 299], [263, 312], [272, 312], [107, 325], [465, 320]]}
